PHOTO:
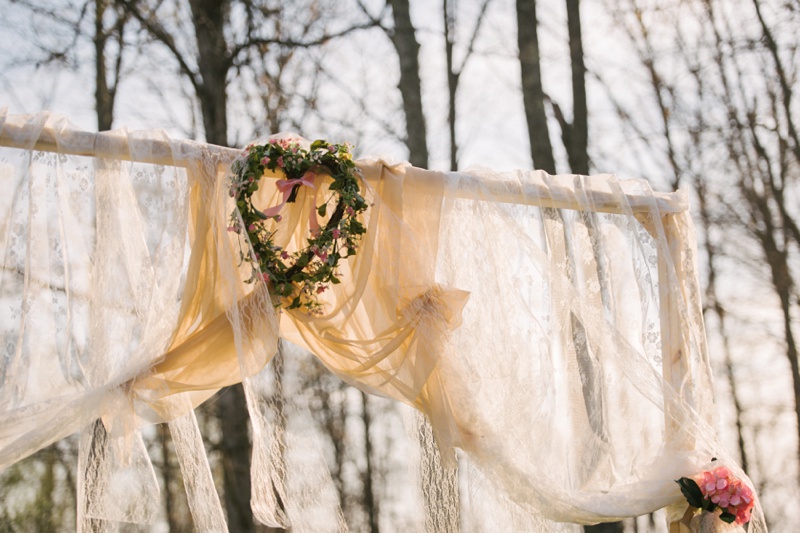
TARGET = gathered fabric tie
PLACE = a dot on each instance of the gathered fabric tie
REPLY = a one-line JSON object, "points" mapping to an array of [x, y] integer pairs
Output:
{"points": [[286, 187]]}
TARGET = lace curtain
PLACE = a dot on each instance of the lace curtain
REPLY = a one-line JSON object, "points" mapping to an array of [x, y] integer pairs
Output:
{"points": [[549, 327]]}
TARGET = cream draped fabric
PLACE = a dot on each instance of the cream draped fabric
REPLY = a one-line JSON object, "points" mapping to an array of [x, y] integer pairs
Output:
{"points": [[562, 350]]}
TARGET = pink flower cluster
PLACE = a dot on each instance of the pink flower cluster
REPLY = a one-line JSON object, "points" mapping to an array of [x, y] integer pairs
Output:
{"points": [[724, 489], [321, 253]]}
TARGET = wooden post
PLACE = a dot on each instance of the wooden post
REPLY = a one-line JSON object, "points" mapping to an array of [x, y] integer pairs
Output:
{"points": [[676, 365]]}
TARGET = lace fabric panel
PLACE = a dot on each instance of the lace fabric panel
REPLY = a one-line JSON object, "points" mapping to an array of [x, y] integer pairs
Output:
{"points": [[439, 484], [92, 283], [292, 483], [92, 264], [116, 481], [571, 415], [197, 474]]}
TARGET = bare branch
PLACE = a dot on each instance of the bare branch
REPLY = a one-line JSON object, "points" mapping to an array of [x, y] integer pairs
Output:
{"points": [[474, 36], [292, 43], [149, 22]]}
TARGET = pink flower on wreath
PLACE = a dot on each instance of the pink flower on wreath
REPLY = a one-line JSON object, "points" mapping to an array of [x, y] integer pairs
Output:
{"points": [[280, 161], [349, 210], [278, 218], [251, 227], [721, 487], [284, 255], [321, 289], [265, 161], [322, 254], [336, 233]]}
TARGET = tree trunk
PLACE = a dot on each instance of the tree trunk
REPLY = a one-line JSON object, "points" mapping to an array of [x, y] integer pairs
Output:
{"points": [[369, 494], [235, 448], [532, 90], [579, 130], [103, 94], [45, 518], [405, 42], [577, 144], [209, 18], [452, 80], [173, 521]]}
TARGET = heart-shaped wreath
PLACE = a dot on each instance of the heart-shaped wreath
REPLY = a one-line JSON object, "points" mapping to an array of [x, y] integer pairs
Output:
{"points": [[296, 279]]}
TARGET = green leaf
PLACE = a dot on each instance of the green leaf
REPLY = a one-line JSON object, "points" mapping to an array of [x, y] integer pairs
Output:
{"points": [[356, 227], [727, 517], [691, 491], [321, 210]]}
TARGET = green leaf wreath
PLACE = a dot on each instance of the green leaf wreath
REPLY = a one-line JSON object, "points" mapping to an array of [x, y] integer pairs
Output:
{"points": [[296, 279]]}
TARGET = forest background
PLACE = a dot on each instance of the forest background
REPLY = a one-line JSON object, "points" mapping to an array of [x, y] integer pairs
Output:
{"points": [[694, 94]]}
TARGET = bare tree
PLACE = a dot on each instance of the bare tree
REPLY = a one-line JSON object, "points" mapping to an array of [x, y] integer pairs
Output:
{"points": [[107, 79], [724, 93], [454, 72], [766, 160], [64, 33], [576, 135], [532, 89], [405, 42]]}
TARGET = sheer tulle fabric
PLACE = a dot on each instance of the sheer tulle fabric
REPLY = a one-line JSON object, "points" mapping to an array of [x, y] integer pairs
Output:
{"points": [[530, 337]]}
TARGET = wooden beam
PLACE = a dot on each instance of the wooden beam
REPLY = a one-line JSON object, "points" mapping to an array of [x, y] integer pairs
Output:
{"points": [[17, 132], [28, 133]]}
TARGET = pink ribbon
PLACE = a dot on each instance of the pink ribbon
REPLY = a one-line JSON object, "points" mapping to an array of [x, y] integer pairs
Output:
{"points": [[286, 186]]}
